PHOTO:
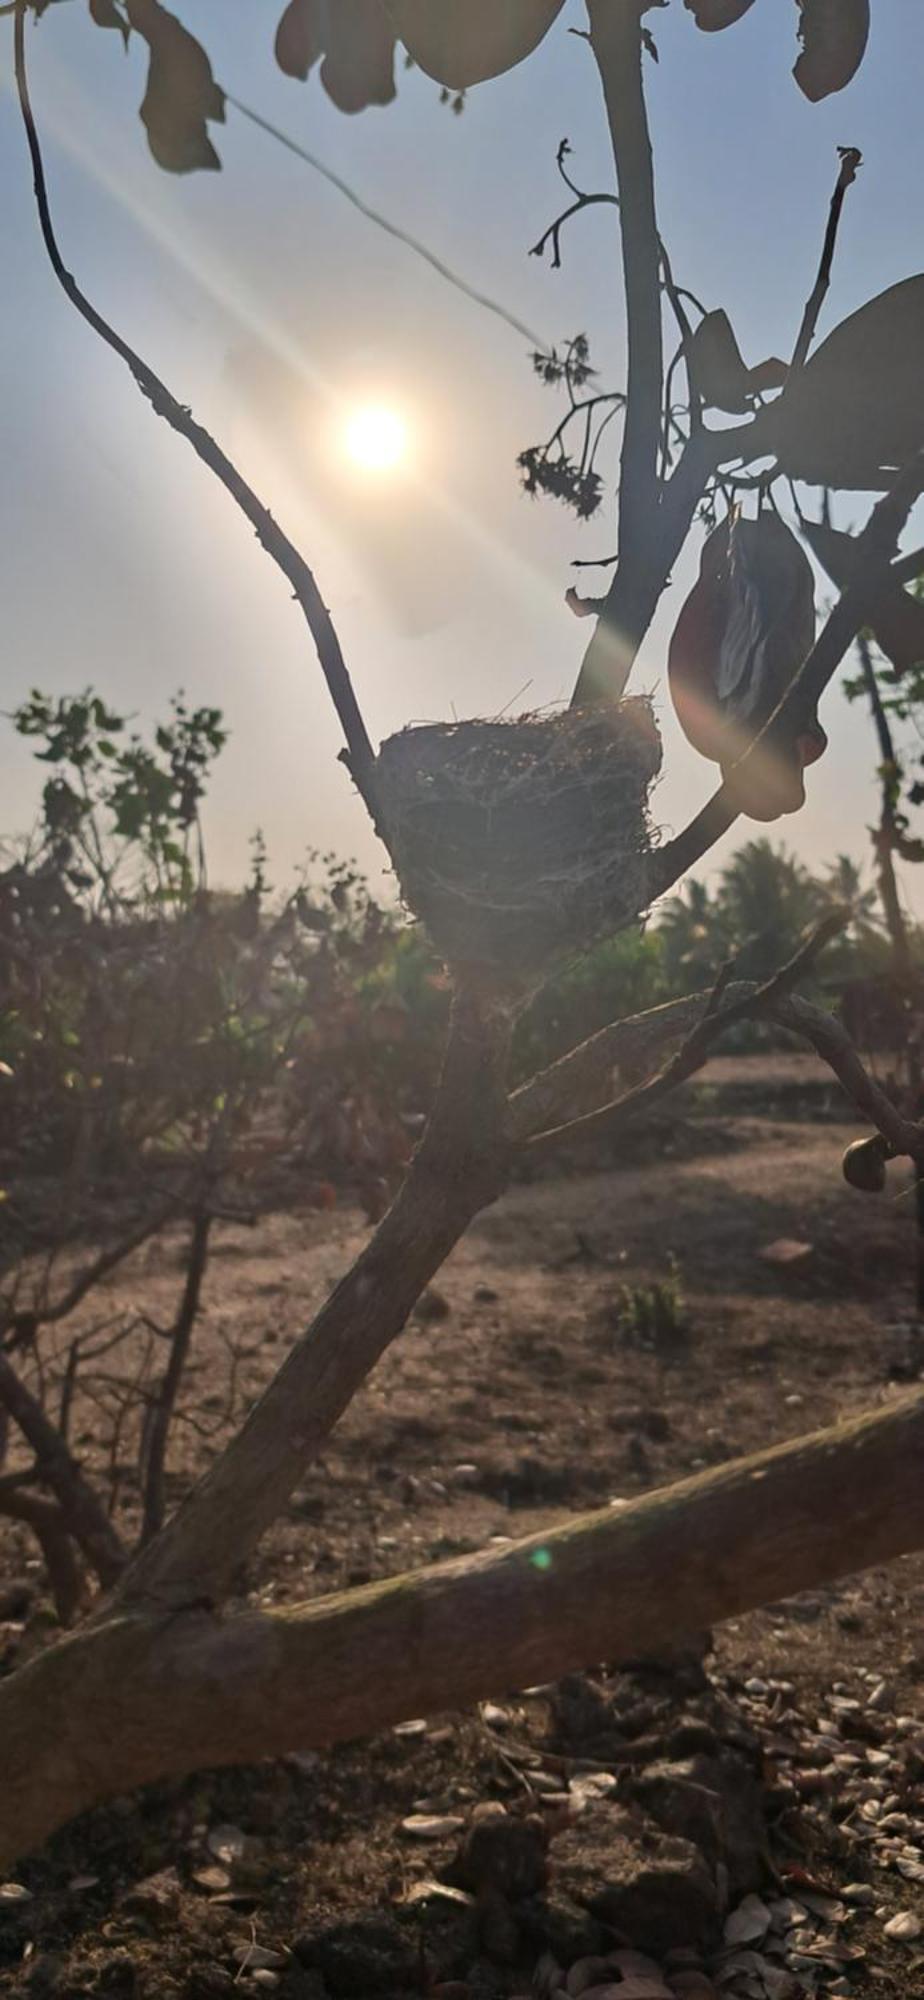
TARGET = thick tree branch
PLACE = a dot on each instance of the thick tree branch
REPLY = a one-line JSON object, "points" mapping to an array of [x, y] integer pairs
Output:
{"points": [[136, 1698], [616, 41], [358, 755], [458, 1168]]}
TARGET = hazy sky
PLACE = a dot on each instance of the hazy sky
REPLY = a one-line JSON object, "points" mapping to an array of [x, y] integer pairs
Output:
{"points": [[273, 307]]}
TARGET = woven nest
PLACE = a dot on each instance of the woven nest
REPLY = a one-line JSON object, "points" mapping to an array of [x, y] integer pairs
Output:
{"points": [[518, 843]]}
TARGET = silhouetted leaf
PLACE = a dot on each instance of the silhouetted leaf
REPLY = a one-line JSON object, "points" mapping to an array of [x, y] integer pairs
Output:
{"points": [[834, 35], [895, 619], [712, 14], [462, 45], [741, 637], [855, 412], [353, 40], [106, 15], [182, 94], [718, 371]]}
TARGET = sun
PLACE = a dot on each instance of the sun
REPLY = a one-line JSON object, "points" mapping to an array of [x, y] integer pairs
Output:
{"points": [[376, 438]]}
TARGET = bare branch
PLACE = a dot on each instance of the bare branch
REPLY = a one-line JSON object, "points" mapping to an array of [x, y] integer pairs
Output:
{"points": [[157, 1431], [851, 160], [49, 1526], [712, 1023], [358, 755], [616, 40], [82, 1512]]}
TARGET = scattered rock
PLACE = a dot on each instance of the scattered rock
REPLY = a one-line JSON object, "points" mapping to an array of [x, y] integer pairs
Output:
{"points": [[650, 1886], [431, 1307], [362, 1956], [485, 1295], [503, 1854], [156, 1899], [228, 1844], [17, 1596], [715, 1802]]}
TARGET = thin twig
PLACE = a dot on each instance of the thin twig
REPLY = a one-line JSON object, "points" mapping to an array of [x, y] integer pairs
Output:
{"points": [[850, 162], [713, 1022], [358, 756]]}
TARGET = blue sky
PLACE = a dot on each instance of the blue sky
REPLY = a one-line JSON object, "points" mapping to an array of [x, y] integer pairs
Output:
{"points": [[272, 307]]}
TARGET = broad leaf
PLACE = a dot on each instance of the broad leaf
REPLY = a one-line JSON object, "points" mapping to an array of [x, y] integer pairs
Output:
{"points": [[895, 619], [712, 14], [834, 35], [462, 45], [354, 42], [741, 637], [105, 14], [718, 371], [181, 96], [855, 412]]}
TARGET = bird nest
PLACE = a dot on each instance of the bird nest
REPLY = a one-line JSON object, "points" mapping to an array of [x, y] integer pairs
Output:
{"points": [[518, 843]]}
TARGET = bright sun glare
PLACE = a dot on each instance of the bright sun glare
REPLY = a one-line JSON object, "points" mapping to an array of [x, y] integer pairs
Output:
{"points": [[376, 438]]}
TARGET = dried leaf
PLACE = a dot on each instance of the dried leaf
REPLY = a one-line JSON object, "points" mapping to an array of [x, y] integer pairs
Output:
{"points": [[786, 1252], [896, 620], [352, 39], [181, 96], [432, 1826], [855, 412], [740, 639], [105, 14], [712, 14], [834, 34], [460, 46], [751, 1920], [718, 371], [906, 1927]]}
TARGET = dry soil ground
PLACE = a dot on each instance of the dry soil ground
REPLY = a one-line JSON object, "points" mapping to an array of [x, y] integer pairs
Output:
{"points": [[523, 1390]]}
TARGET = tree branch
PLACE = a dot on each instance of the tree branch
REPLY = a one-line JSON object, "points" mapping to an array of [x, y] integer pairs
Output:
{"points": [[616, 41], [135, 1699], [850, 162], [459, 1167], [83, 1514], [711, 1024], [358, 755]]}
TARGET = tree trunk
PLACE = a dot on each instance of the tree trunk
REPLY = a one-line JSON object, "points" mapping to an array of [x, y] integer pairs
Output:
{"points": [[459, 1167], [139, 1698]]}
